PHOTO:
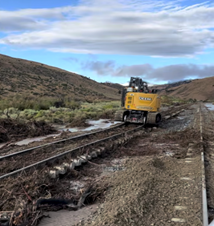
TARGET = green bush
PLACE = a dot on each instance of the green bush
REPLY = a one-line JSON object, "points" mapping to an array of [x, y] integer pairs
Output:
{"points": [[43, 109], [72, 105]]}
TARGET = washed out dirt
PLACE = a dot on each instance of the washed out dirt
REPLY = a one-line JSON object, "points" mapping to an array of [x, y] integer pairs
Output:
{"points": [[11, 147], [147, 191], [142, 188], [149, 186], [12, 130], [21, 194], [28, 158]]}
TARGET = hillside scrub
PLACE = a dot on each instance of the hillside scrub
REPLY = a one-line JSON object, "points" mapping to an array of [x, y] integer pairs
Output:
{"points": [[74, 112], [22, 102], [66, 111], [169, 100]]}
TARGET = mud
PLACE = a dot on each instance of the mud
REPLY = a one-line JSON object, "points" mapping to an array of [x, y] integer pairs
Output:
{"points": [[11, 147], [183, 121], [12, 130]]}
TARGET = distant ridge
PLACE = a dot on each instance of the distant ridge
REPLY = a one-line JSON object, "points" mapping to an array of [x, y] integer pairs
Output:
{"points": [[198, 89]]}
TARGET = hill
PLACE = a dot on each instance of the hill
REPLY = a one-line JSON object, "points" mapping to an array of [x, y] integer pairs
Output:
{"points": [[170, 85], [25, 77], [199, 89], [114, 85]]}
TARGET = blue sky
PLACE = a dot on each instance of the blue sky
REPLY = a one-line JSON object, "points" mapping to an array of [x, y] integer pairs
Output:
{"points": [[111, 40]]}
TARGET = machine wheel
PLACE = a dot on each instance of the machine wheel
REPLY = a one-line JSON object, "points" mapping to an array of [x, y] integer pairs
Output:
{"points": [[154, 118], [118, 116], [158, 118], [144, 120], [124, 117]]}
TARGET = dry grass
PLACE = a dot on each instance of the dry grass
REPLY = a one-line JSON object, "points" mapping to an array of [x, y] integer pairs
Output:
{"points": [[199, 89], [39, 80]]}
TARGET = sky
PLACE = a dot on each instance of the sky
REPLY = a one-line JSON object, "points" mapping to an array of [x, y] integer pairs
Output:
{"points": [[113, 40]]}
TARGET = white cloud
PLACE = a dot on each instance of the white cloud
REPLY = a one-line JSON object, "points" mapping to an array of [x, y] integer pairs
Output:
{"points": [[124, 27], [168, 73]]}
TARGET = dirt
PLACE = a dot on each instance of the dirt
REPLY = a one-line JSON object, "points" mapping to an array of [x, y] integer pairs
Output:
{"points": [[183, 121], [150, 186], [13, 130], [142, 188], [28, 158], [146, 192]]}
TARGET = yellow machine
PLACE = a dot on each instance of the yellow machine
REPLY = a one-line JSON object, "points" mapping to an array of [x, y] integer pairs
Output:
{"points": [[140, 105]]}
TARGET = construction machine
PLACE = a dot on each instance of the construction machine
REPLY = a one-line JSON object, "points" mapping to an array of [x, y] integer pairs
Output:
{"points": [[139, 104]]}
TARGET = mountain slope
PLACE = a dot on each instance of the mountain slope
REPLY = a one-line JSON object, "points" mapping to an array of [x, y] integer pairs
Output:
{"points": [[199, 89], [25, 77]]}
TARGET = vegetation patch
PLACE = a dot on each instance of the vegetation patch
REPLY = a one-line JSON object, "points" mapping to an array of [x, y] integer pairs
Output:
{"points": [[59, 112], [170, 100]]}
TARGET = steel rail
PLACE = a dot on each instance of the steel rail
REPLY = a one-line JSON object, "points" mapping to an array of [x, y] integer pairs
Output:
{"points": [[68, 152], [64, 140], [204, 189], [58, 142]]}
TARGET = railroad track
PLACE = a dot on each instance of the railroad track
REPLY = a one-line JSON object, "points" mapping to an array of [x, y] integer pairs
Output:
{"points": [[25, 159], [197, 199], [65, 154], [59, 142], [207, 157]]}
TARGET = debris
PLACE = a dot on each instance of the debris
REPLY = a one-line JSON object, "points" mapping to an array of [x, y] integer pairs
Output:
{"points": [[11, 129]]}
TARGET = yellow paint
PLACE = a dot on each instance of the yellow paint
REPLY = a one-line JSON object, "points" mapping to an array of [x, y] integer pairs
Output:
{"points": [[142, 101]]}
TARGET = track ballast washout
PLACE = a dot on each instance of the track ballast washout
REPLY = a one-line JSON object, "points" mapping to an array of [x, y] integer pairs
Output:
{"points": [[63, 161]]}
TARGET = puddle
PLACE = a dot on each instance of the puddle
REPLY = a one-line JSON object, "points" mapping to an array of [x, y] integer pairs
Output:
{"points": [[210, 106], [168, 153], [30, 140], [180, 117], [113, 168], [95, 124]]}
